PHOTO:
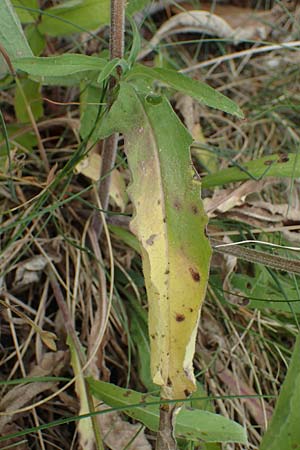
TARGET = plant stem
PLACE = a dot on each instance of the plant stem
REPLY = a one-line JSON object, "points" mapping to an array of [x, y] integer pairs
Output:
{"points": [[165, 436], [117, 27]]}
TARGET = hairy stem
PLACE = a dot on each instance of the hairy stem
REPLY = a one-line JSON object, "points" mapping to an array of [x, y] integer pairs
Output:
{"points": [[255, 256], [117, 27]]}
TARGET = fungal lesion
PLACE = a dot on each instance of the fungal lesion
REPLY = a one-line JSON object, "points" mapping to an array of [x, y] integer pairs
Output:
{"points": [[151, 239], [195, 274], [179, 317]]}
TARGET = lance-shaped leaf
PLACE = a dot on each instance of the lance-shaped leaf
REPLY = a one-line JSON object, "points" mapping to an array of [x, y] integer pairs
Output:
{"points": [[170, 225], [284, 431]]}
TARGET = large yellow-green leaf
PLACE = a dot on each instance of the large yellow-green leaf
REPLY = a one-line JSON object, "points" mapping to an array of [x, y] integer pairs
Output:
{"points": [[170, 225]]}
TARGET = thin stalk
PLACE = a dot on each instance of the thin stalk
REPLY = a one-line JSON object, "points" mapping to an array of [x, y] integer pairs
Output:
{"points": [[256, 256], [117, 28]]}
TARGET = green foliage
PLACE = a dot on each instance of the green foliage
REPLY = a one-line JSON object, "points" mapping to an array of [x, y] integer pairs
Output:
{"points": [[193, 425], [11, 34], [134, 6], [59, 66], [284, 431], [36, 40], [73, 16], [28, 93], [140, 338], [25, 10], [279, 165], [265, 291], [196, 89]]}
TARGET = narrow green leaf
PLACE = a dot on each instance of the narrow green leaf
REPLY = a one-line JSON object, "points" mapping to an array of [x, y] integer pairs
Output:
{"points": [[11, 34], [59, 66], [75, 16], [89, 109], [280, 165], [110, 67], [136, 42], [133, 6], [284, 430], [194, 425], [36, 40], [263, 292], [139, 335], [202, 92], [126, 236], [26, 15], [31, 90]]}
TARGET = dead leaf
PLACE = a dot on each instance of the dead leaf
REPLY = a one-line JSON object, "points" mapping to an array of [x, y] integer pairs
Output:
{"points": [[226, 199], [118, 433], [238, 24], [29, 271], [51, 364], [20, 396], [23, 394]]}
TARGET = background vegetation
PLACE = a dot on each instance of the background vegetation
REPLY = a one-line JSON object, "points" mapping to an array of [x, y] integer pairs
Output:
{"points": [[52, 277]]}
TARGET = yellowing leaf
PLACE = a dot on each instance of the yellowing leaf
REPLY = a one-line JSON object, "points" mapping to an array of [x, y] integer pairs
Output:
{"points": [[170, 225]]}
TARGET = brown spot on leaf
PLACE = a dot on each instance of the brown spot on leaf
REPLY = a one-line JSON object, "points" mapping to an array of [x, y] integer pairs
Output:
{"points": [[269, 162], [158, 202], [169, 382], [195, 209], [127, 394], [187, 393], [283, 158], [191, 310], [180, 317], [152, 336], [164, 220], [151, 239], [195, 274], [167, 272], [177, 204]]}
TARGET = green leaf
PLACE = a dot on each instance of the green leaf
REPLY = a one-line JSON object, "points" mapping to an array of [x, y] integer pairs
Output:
{"points": [[284, 430], [59, 66], [139, 335], [194, 425], [26, 15], [89, 109], [11, 34], [133, 6], [263, 292], [31, 90], [136, 42], [110, 67], [196, 89], [126, 236], [75, 17], [280, 165], [36, 40]]}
